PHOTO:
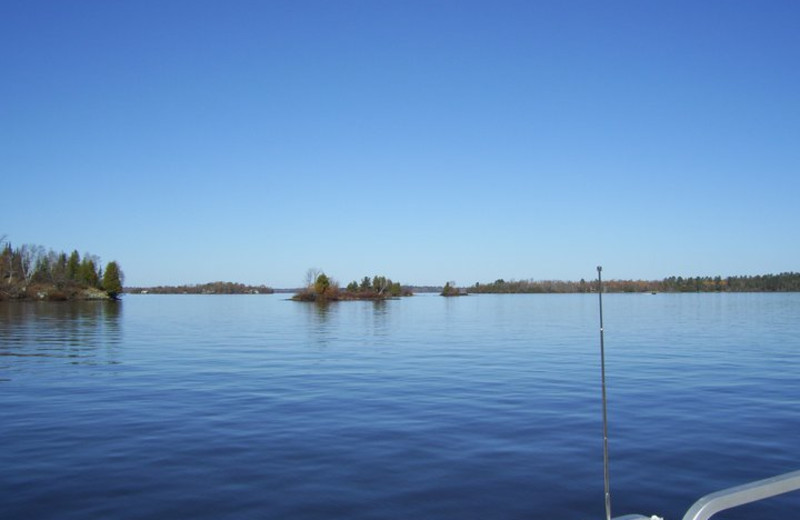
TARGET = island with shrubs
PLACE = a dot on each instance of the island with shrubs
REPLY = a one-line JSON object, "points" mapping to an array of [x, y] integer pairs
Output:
{"points": [[321, 288], [450, 289]]}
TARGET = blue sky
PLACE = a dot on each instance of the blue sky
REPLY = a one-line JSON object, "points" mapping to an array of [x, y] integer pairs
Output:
{"points": [[426, 141]]}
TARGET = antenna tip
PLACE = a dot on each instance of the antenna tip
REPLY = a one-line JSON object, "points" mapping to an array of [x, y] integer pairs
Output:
{"points": [[599, 268]]}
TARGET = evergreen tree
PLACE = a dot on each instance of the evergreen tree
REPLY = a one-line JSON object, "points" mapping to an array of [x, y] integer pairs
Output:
{"points": [[322, 284], [112, 279], [87, 273], [44, 269], [6, 263], [60, 269], [73, 266]]}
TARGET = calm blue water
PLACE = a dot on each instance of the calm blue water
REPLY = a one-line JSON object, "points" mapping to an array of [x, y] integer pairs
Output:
{"points": [[484, 407]]}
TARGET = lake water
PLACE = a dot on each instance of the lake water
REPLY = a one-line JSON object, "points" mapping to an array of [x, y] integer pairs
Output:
{"points": [[484, 407]]}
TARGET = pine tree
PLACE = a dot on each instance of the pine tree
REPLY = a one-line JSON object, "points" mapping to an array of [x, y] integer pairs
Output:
{"points": [[87, 273], [322, 284], [112, 279], [73, 266]]}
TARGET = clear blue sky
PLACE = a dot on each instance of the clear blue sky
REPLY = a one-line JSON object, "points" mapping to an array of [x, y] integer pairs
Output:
{"points": [[423, 140]]}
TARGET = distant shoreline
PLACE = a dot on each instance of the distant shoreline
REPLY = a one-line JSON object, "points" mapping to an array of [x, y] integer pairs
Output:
{"points": [[206, 288], [783, 282]]}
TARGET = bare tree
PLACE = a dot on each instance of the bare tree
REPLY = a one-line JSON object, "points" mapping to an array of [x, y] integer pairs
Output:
{"points": [[312, 274], [29, 255]]}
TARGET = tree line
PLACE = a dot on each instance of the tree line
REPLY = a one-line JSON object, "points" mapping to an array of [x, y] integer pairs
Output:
{"points": [[30, 271], [377, 286], [205, 288], [783, 282]]}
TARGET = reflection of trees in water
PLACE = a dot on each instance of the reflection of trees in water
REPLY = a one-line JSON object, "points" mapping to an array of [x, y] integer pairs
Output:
{"points": [[81, 332], [329, 320], [380, 315], [319, 315]]}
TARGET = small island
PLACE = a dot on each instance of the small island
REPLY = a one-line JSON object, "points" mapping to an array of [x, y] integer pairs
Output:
{"points": [[321, 288], [450, 289], [30, 272]]}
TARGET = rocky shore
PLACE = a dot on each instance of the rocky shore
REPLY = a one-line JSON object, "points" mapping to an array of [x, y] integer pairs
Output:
{"points": [[50, 292]]}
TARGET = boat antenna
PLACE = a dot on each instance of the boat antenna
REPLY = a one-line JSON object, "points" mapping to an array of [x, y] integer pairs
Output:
{"points": [[606, 482]]}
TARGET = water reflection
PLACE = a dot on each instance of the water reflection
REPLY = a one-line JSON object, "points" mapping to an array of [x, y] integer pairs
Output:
{"points": [[319, 315], [329, 321], [380, 317], [78, 332]]}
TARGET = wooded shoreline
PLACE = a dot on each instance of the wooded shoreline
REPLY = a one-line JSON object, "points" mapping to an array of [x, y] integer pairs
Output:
{"points": [[30, 272], [783, 282]]}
